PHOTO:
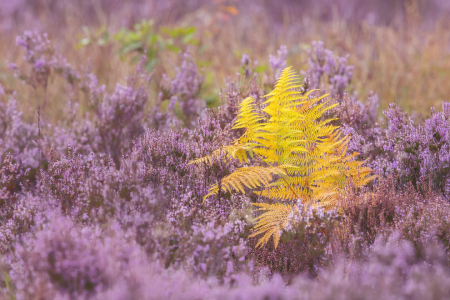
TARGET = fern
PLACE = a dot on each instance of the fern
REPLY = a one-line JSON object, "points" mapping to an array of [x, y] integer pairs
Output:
{"points": [[272, 222], [250, 177], [305, 150]]}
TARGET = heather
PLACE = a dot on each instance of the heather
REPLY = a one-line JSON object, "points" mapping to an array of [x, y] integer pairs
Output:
{"points": [[122, 127]]}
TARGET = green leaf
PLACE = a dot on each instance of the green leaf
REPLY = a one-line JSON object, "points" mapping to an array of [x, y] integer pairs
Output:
{"points": [[261, 68], [188, 38], [132, 47], [173, 48]]}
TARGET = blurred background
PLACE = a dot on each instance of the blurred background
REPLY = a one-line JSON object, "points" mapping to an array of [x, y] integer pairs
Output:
{"points": [[400, 49]]}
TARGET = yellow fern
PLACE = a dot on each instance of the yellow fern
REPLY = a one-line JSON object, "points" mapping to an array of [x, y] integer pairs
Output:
{"points": [[249, 119], [250, 177], [235, 150], [271, 222], [295, 142]]}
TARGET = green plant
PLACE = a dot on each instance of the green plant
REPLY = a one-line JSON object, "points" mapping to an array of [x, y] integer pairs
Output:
{"points": [[304, 155], [101, 37], [145, 38]]}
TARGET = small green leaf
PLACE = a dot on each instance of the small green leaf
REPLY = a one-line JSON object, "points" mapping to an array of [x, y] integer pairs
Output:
{"points": [[132, 47]]}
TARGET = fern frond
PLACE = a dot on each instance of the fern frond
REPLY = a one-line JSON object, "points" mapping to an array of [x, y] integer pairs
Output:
{"points": [[238, 151], [285, 192], [249, 119], [295, 137], [274, 219], [250, 177], [205, 159]]}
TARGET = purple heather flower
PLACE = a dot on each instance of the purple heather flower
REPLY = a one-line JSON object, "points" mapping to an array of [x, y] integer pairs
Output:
{"points": [[21, 42], [245, 60], [278, 63], [39, 64], [323, 62], [245, 63], [12, 66]]}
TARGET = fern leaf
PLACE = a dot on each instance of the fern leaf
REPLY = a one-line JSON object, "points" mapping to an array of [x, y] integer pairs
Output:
{"points": [[248, 119], [274, 219], [301, 146], [238, 151], [250, 177]]}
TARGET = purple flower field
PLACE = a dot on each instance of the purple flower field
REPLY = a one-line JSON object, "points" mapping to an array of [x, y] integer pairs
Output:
{"points": [[105, 105]]}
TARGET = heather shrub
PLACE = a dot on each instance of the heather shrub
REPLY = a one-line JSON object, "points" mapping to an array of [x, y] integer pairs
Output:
{"points": [[167, 158], [40, 63], [332, 74], [9, 192], [75, 182], [117, 118], [419, 150], [181, 96], [64, 258], [358, 119], [120, 116], [218, 250], [367, 215], [327, 70], [41, 59], [17, 219], [92, 190], [416, 151], [18, 137], [154, 185], [9, 175], [74, 135], [425, 222], [153, 282], [390, 271], [419, 217]]}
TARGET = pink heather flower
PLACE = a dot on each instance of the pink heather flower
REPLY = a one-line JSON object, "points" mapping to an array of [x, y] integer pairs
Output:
{"points": [[39, 64], [12, 66]]}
